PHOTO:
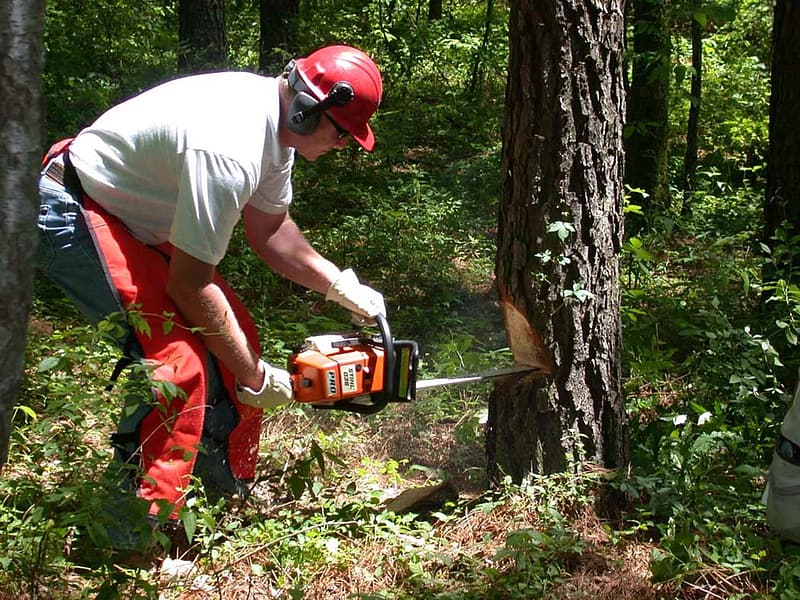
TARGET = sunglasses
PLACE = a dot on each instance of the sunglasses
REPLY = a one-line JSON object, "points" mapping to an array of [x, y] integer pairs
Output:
{"points": [[341, 132]]}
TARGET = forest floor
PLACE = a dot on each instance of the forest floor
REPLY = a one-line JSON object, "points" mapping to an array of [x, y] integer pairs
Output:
{"points": [[604, 569]]}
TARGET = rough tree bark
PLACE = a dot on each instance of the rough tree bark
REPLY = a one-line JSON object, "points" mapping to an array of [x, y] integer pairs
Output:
{"points": [[560, 234], [21, 133], [782, 200], [202, 44], [279, 19], [648, 106]]}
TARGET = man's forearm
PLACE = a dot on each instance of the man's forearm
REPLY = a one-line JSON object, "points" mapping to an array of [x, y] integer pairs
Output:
{"points": [[289, 253], [208, 308]]}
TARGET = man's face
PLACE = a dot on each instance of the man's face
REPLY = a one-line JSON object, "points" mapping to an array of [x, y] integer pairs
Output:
{"points": [[326, 137]]}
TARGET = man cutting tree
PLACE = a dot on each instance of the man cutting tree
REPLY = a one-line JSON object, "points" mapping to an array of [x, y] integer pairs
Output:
{"points": [[138, 210]]}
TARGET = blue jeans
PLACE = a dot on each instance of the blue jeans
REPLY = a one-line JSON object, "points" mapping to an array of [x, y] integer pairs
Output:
{"points": [[68, 256]]}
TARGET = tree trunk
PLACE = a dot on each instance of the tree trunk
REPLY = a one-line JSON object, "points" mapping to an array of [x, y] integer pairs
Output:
{"points": [[21, 131], [692, 134], [782, 200], [279, 20], [648, 107], [560, 234], [434, 10], [477, 65], [202, 44]]}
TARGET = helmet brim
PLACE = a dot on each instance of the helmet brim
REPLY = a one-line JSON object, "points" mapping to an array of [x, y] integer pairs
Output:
{"points": [[357, 125], [364, 136]]}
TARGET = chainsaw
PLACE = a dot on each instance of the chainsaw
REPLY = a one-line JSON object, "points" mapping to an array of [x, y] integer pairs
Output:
{"points": [[363, 373]]}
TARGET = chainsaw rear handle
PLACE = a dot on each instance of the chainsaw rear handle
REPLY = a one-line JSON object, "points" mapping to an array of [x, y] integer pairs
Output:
{"points": [[389, 359]]}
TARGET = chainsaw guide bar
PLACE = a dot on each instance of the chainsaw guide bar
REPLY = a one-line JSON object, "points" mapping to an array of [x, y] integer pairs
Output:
{"points": [[362, 374], [461, 379]]}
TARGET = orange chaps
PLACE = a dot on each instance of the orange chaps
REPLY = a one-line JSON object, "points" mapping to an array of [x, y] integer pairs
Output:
{"points": [[171, 433]]}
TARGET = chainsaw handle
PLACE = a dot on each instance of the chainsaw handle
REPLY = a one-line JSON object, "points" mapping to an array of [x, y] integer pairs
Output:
{"points": [[379, 400], [382, 398], [387, 394]]}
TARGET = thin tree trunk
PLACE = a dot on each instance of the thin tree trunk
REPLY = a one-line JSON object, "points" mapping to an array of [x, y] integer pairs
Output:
{"points": [[477, 65], [692, 133], [560, 234], [279, 19], [434, 10], [648, 108], [21, 131], [202, 44], [782, 200]]}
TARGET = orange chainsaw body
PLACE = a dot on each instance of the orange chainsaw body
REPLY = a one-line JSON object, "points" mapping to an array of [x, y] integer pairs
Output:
{"points": [[328, 374], [354, 372]]}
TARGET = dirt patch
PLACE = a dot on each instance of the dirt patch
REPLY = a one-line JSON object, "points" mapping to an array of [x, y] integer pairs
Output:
{"points": [[612, 574]]}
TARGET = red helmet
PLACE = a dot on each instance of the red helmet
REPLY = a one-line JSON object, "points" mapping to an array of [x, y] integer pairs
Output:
{"points": [[323, 69]]}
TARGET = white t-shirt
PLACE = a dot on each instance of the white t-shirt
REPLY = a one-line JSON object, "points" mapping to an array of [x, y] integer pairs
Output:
{"points": [[180, 161]]}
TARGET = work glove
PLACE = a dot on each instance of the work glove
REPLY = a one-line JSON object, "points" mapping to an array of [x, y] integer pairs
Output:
{"points": [[361, 300], [276, 389]]}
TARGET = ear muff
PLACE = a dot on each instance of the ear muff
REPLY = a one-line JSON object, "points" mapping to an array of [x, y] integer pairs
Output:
{"points": [[305, 110], [303, 120]]}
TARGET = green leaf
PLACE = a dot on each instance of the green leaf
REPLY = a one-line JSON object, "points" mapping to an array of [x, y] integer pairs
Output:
{"points": [[51, 362], [296, 484], [27, 411], [318, 456], [636, 247], [661, 566], [189, 520], [701, 18], [561, 228], [139, 323], [634, 209]]}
